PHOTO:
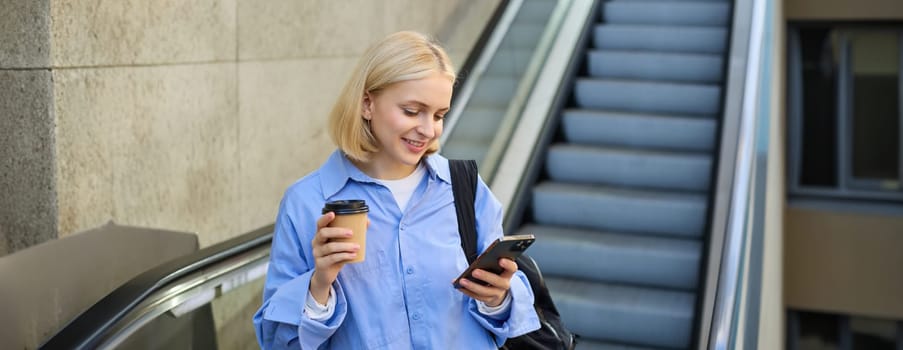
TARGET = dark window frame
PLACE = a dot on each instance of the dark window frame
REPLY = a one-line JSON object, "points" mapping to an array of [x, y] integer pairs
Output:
{"points": [[844, 335], [847, 186]]}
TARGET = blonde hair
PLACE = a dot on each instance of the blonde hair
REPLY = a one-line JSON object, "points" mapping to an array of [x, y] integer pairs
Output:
{"points": [[399, 57]]}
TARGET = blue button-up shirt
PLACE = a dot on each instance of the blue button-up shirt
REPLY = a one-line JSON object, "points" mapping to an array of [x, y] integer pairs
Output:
{"points": [[401, 296]]}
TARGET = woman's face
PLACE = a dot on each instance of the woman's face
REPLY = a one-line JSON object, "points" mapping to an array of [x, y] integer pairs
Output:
{"points": [[406, 118]]}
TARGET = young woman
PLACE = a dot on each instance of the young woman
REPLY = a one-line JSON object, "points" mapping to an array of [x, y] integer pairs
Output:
{"points": [[386, 124]]}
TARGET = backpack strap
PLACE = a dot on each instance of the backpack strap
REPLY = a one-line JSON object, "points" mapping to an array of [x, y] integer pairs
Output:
{"points": [[464, 186], [552, 333]]}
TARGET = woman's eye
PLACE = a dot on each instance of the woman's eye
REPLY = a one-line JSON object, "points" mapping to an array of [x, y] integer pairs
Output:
{"points": [[440, 117], [409, 112]]}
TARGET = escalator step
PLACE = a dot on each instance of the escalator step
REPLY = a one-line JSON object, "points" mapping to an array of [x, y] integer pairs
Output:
{"points": [[648, 97], [644, 65], [608, 208], [627, 167], [639, 130], [660, 38], [616, 257], [697, 13], [631, 315]]}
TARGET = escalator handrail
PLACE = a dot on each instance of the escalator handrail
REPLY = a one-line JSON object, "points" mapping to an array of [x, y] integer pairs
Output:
{"points": [[528, 83], [88, 328], [518, 192], [479, 46], [736, 178], [477, 63], [542, 105]]}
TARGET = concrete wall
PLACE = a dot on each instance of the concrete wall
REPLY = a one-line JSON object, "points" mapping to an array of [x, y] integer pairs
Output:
{"points": [[190, 116], [870, 10], [182, 115], [28, 208]]}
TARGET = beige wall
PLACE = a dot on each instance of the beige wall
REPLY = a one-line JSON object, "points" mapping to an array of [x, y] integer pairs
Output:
{"points": [[196, 116], [843, 9], [844, 262], [188, 115], [827, 261]]}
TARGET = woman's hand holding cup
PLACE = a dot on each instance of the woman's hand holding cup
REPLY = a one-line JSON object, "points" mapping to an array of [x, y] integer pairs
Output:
{"points": [[330, 255], [341, 238]]}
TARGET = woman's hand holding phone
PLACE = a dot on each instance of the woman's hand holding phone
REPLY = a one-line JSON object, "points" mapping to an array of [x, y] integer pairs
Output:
{"points": [[495, 292], [329, 255], [488, 277]]}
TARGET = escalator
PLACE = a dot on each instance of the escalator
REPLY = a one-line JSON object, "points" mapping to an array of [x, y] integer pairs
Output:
{"points": [[620, 179], [621, 210]]}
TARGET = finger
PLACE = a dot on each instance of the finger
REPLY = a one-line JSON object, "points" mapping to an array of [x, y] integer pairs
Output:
{"points": [[321, 250], [494, 298], [324, 220], [337, 258], [472, 295], [327, 233], [466, 286], [482, 292], [339, 247], [494, 280], [509, 267], [322, 223]]}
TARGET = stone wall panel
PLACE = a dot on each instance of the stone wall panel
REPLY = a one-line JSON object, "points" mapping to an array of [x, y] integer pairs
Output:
{"points": [[136, 32], [28, 208]]}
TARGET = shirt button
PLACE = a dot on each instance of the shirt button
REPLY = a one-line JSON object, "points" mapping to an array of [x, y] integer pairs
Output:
{"points": [[416, 316], [410, 271], [402, 227]]}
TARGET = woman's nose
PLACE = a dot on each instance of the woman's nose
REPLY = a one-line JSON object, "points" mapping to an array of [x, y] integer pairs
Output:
{"points": [[426, 127]]}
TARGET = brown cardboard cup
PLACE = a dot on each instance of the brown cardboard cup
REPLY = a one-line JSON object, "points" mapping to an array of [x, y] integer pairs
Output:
{"points": [[351, 214]]}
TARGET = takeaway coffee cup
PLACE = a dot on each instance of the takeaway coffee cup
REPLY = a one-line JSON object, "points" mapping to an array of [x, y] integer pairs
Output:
{"points": [[351, 214]]}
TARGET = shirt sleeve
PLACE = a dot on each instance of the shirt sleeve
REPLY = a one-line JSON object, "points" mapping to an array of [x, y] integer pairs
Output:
{"points": [[520, 317], [318, 312], [281, 323], [494, 311]]}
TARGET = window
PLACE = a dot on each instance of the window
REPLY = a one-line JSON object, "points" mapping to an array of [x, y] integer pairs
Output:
{"points": [[844, 112], [822, 331], [875, 93]]}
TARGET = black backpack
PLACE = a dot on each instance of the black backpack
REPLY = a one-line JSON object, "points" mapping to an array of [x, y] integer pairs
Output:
{"points": [[551, 334]]}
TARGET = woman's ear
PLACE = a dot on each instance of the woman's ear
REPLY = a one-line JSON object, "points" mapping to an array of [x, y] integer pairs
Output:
{"points": [[366, 105]]}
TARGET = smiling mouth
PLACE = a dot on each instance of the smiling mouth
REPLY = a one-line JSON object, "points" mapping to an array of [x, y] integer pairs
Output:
{"points": [[414, 143]]}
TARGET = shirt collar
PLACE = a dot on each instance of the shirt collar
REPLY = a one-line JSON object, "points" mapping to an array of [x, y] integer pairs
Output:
{"points": [[338, 170], [438, 167]]}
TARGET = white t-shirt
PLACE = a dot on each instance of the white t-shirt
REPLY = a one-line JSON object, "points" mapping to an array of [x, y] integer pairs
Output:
{"points": [[402, 189]]}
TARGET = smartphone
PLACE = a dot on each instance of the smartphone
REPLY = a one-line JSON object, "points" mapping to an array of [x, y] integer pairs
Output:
{"points": [[506, 247]]}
